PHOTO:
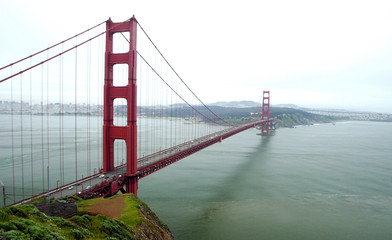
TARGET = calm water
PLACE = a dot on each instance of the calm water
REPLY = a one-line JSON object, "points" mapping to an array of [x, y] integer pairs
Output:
{"points": [[73, 149], [314, 182]]}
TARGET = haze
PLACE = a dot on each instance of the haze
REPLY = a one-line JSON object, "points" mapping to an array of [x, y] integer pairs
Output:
{"points": [[328, 54]]}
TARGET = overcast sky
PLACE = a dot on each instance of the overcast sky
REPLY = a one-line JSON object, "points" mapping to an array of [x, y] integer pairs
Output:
{"points": [[331, 54]]}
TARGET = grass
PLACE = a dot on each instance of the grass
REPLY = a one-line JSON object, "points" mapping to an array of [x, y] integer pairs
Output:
{"points": [[130, 214], [27, 222]]}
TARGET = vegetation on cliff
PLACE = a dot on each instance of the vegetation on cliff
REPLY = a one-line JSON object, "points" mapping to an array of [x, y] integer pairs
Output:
{"points": [[127, 217], [288, 117], [284, 117]]}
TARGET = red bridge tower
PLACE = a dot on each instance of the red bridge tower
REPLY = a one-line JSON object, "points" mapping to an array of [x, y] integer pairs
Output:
{"points": [[265, 113], [128, 92]]}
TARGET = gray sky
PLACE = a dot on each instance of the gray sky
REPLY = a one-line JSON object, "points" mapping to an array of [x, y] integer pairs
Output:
{"points": [[332, 54]]}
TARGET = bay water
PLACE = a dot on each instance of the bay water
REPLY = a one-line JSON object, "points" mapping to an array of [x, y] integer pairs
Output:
{"points": [[311, 182]]}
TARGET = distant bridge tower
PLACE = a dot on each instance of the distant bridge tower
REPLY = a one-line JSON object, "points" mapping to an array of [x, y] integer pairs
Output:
{"points": [[128, 92], [265, 113]]}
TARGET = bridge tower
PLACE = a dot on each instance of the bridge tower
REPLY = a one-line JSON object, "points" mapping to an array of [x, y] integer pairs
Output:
{"points": [[128, 92], [265, 113]]}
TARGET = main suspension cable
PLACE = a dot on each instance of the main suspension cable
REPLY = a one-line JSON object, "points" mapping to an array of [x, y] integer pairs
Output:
{"points": [[180, 77], [177, 92], [46, 49], [55, 56]]}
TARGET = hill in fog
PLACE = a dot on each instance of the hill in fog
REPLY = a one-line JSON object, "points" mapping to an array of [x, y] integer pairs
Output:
{"points": [[236, 104]]}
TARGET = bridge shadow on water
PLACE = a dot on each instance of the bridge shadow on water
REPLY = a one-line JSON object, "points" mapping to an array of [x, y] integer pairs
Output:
{"points": [[228, 190]]}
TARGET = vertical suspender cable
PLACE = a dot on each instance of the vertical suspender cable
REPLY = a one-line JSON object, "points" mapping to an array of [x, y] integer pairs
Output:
{"points": [[171, 116], [76, 112], [59, 112], [88, 107], [98, 94], [12, 137], [31, 132], [154, 95], [42, 129], [147, 122], [175, 123], [62, 117], [156, 136], [100, 47], [167, 115], [47, 117], [21, 134], [139, 127], [160, 123], [148, 109]]}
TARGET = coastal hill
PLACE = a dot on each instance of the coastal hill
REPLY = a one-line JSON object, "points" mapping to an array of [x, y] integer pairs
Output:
{"points": [[236, 104], [123, 216], [287, 116]]}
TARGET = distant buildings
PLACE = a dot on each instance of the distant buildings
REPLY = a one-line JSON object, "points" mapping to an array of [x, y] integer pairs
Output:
{"points": [[8, 107], [358, 116]]}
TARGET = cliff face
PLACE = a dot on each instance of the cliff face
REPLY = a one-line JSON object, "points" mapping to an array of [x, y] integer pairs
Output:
{"points": [[132, 211], [119, 217]]}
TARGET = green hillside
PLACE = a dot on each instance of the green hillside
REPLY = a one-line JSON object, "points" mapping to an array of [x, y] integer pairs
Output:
{"points": [[135, 221]]}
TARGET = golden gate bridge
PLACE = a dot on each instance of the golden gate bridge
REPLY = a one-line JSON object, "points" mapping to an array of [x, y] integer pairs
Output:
{"points": [[93, 114]]}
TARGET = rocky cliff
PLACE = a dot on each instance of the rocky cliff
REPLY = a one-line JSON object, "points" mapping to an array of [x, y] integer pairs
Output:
{"points": [[122, 216]]}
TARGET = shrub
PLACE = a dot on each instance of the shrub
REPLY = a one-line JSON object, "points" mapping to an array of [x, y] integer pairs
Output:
{"points": [[80, 233], [116, 228], [37, 232], [19, 211], [13, 234], [82, 221], [26, 211], [27, 229], [8, 226], [3, 215], [61, 222], [22, 224]]}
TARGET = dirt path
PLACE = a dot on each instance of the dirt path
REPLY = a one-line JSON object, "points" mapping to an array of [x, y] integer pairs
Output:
{"points": [[111, 208]]}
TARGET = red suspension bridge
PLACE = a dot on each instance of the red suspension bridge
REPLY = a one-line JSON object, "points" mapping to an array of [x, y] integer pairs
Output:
{"points": [[74, 121]]}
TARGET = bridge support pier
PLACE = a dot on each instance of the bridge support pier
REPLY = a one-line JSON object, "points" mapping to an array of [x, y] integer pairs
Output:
{"points": [[132, 184], [112, 132]]}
